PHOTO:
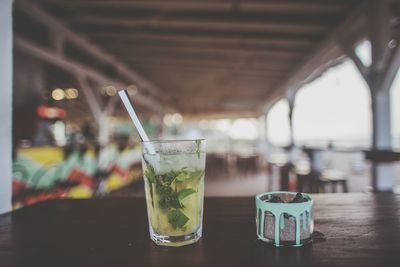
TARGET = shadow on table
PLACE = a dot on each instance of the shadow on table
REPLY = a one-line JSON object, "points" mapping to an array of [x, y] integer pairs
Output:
{"points": [[270, 256]]}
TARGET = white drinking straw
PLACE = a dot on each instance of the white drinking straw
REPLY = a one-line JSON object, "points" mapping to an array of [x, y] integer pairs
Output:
{"points": [[129, 107]]}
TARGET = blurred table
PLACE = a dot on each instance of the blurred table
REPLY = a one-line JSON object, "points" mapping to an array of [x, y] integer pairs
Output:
{"points": [[361, 230]]}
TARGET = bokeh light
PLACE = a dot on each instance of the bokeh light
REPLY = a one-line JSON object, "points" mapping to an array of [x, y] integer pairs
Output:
{"points": [[58, 94], [71, 93]]}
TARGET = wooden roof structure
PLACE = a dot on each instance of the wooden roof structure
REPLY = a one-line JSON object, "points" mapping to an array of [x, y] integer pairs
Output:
{"points": [[202, 56]]}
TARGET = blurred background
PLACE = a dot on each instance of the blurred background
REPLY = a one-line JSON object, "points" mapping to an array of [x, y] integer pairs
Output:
{"points": [[283, 91]]}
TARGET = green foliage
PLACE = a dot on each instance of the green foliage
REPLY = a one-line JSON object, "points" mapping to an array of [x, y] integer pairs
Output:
{"points": [[150, 174], [198, 142], [177, 218], [170, 199]]}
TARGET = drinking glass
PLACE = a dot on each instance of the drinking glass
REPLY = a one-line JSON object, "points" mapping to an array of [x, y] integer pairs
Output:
{"points": [[174, 186]]}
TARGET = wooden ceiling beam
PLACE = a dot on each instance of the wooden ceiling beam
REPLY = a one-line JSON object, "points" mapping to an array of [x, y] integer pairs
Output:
{"points": [[238, 72], [255, 45], [229, 94], [276, 6], [201, 24], [210, 33], [248, 58], [220, 104], [162, 48], [227, 71], [200, 51], [211, 68], [202, 40], [208, 60], [212, 63]]}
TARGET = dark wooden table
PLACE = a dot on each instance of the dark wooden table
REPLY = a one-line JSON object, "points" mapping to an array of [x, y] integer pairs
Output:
{"points": [[361, 230]]}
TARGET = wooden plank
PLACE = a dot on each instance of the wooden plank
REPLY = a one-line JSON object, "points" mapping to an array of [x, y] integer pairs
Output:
{"points": [[269, 70], [190, 39], [157, 40], [310, 38], [161, 47], [226, 69], [247, 57], [202, 24], [160, 51], [357, 228], [292, 7], [214, 63]]}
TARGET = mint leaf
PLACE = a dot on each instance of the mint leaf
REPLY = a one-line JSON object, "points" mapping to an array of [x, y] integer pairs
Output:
{"points": [[177, 218], [169, 177], [185, 193], [198, 142], [168, 198], [150, 174]]}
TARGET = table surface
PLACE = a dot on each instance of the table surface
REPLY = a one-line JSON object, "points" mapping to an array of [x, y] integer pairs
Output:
{"points": [[361, 230]]}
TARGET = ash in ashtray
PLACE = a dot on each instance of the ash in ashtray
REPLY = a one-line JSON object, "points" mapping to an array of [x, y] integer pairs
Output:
{"points": [[287, 231], [286, 198]]}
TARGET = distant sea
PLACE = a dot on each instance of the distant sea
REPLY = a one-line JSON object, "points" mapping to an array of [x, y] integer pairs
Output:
{"points": [[347, 143]]}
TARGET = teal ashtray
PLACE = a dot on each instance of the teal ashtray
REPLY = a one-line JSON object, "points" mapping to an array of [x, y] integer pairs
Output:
{"points": [[284, 218]]}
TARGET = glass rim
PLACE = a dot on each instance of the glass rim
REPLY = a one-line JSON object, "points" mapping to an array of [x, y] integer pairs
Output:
{"points": [[174, 141], [309, 202]]}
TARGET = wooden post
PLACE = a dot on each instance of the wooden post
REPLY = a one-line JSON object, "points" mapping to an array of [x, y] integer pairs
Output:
{"points": [[6, 104], [379, 77], [290, 97], [100, 116], [104, 129]]}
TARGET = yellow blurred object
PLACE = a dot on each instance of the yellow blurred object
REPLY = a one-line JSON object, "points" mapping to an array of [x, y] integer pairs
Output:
{"points": [[47, 155], [71, 93], [80, 191], [116, 181], [17, 205], [90, 152]]}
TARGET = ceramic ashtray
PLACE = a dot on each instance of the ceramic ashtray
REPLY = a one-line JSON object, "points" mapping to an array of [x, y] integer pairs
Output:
{"points": [[284, 218]]}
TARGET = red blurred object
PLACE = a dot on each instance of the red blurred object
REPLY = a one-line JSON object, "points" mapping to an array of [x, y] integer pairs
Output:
{"points": [[39, 196], [81, 177], [50, 112], [293, 187], [120, 171], [18, 187]]}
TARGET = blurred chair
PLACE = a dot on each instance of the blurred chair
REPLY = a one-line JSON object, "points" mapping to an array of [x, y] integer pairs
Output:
{"points": [[216, 165], [333, 179], [317, 182], [247, 164], [305, 182], [284, 172]]}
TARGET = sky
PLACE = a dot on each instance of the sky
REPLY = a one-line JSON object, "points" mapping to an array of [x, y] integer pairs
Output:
{"points": [[334, 107]]}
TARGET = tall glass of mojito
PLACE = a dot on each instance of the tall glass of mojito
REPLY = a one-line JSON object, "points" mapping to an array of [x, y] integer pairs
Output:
{"points": [[174, 186]]}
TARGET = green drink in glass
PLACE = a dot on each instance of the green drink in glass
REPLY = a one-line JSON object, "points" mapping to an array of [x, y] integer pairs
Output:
{"points": [[174, 187]]}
